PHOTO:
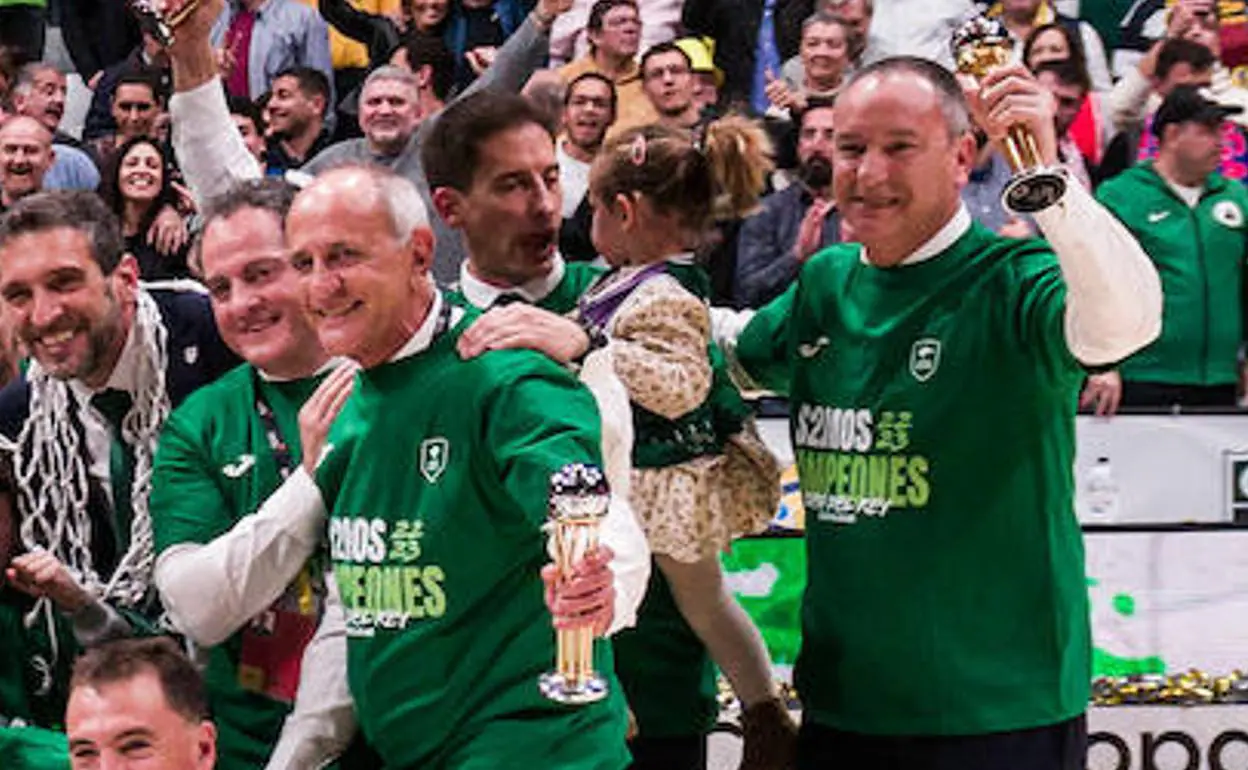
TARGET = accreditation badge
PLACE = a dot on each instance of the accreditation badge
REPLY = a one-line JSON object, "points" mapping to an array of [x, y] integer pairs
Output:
{"points": [[274, 640]]}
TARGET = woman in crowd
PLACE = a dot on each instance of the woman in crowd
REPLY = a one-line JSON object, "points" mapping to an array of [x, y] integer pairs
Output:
{"points": [[1053, 42], [138, 188]]}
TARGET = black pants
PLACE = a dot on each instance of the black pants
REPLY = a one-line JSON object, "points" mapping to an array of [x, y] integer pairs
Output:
{"points": [[686, 752], [1057, 747], [23, 27]]}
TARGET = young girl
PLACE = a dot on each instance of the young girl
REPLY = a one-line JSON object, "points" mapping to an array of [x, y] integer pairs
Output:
{"points": [[701, 475]]}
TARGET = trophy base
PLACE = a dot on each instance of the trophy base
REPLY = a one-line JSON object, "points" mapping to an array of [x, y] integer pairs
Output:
{"points": [[560, 689], [1034, 190]]}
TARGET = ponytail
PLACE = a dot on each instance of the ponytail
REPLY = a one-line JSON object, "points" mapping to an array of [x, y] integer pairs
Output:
{"points": [[740, 155]]}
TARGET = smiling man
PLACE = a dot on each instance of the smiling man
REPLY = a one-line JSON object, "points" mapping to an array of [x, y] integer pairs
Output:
{"points": [[25, 156], [232, 508], [437, 479], [139, 704], [945, 555], [110, 360]]}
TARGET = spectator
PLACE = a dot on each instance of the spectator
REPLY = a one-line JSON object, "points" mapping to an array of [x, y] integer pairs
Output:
{"points": [[477, 29], [589, 111], [1069, 87], [149, 58], [1190, 221], [1142, 88], [614, 32], [250, 124], [39, 93], [793, 223], [707, 78], [856, 16], [986, 182], [824, 55], [263, 39], [297, 118], [1090, 130], [139, 697], [667, 77], [1021, 17], [22, 26], [135, 106], [140, 187], [1178, 62], [25, 158], [98, 35], [752, 39], [569, 38]]}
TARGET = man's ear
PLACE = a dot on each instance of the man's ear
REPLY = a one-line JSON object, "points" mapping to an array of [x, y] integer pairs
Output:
{"points": [[420, 246], [449, 204], [126, 274]]}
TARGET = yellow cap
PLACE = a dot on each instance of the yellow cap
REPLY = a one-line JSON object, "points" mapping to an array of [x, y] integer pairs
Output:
{"points": [[701, 53]]}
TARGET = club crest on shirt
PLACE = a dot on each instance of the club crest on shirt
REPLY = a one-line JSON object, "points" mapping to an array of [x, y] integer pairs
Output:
{"points": [[924, 358], [1229, 214], [434, 453]]}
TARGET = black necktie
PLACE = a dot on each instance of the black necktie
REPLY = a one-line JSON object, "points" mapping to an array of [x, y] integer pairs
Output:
{"points": [[505, 299]]}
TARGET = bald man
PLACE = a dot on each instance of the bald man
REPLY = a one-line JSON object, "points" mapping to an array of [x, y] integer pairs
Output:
{"points": [[26, 154]]}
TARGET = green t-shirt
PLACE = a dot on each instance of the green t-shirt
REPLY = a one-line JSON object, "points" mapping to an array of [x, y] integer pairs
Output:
{"points": [[33, 748], [213, 467], [932, 419], [437, 485]]}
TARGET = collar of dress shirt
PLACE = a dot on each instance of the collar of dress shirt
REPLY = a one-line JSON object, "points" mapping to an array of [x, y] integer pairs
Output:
{"points": [[482, 295]]}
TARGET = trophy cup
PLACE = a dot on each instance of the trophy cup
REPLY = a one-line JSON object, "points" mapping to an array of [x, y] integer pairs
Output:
{"points": [[578, 503], [154, 21], [981, 45]]}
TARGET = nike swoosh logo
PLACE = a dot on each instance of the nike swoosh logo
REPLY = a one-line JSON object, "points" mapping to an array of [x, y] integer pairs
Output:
{"points": [[810, 350], [1157, 216], [239, 467]]}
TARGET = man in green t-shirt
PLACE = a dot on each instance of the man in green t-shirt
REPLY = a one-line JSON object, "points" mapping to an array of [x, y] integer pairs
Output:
{"points": [[497, 184], [436, 477], [932, 374], [230, 508]]}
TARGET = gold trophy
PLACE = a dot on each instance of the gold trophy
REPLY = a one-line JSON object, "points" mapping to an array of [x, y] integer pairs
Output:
{"points": [[578, 503], [981, 45], [153, 20]]}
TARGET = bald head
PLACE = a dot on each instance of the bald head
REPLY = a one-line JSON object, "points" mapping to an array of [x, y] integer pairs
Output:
{"points": [[360, 242], [25, 157]]}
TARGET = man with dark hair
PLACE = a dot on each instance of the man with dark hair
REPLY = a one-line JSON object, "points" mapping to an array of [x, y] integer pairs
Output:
{"points": [[250, 124], [588, 112], [296, 112], [445, 672], [1190, 221], [139, 697], [614, 31], [150, 58], [667, 77], [795, 222], [231, 507], [954, 355], [212, 159], [109, 362], [1069, 85], [135, 106]]}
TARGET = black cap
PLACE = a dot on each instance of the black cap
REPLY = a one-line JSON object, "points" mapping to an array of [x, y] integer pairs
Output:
{"points": [[1188, 104]]}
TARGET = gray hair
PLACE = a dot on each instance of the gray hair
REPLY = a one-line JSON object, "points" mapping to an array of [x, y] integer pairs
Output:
{"points": [[406, 207], [27, 75], [390, 72], [823, 17], [952, 101]]}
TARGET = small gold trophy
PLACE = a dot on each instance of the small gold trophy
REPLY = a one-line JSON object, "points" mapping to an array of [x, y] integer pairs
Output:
{"points": [[981, 45], [578, 503], [152, 18]]}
